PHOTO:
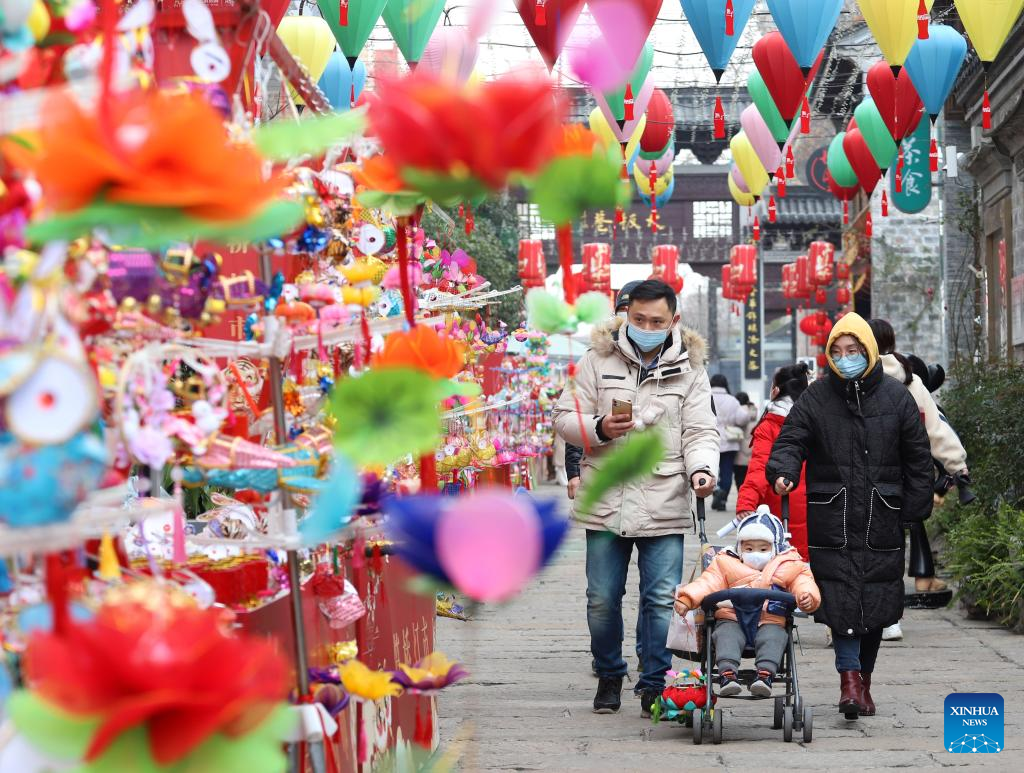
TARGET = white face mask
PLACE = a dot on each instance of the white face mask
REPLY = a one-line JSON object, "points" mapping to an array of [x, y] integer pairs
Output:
{"points": [[622, 314], [756, 560]]}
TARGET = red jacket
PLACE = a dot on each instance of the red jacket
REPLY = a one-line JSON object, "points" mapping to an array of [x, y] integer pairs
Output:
{"points": [[756, 491]]}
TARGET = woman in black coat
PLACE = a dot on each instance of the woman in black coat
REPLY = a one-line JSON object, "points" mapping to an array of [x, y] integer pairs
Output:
{"points": [[869, 472]]}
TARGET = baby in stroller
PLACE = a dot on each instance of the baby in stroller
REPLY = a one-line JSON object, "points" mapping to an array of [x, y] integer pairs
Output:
{"points": [[762, 559]]}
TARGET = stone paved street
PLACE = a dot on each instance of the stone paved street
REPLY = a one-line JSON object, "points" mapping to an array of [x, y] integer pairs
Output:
{"points": [[527, 703]]}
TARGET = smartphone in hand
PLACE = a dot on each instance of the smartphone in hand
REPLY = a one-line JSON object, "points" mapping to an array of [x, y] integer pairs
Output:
{"points": [[622, 408]]}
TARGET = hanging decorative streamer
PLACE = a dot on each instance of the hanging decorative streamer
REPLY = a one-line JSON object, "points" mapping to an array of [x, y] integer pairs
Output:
{"points": [[805, 117], [564, 236], [922, 21], [790, 163], [719, 119], [730, 19], [408, 299]]}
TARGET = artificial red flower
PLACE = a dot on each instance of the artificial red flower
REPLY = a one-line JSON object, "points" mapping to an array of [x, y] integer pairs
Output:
{"points": [[162, 663], [379, 173], [423, 349], [481, 135]]}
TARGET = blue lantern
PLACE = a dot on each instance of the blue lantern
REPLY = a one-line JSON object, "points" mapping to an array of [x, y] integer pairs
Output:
{"points": [[342, 84], [933, 65], [665, 197], [708, 21], [805, 25]]}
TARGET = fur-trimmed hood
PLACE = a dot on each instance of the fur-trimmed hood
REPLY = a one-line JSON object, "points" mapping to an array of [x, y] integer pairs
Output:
{"points": [[604, 341]]}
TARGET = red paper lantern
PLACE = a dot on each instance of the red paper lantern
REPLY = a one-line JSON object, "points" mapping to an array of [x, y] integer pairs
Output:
{"points": [[843, 296], [842, 271], [820, 297], [896, 99], [727, 292], [661, 123], [597, 267], [550, 31], [665, 266], [532, 266], [803, 287], [821, 258], [822, 361], [786, 82], [860, 158], [743, 258]]}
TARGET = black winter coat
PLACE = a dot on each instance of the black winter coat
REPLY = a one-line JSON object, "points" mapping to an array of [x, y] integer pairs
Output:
{"points": [[869, 471]]}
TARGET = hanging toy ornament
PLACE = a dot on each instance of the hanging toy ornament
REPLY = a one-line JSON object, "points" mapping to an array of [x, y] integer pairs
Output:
{"points": [[628, 102], [730, 19], [988, 24], [780, 181], [922, 21], [772, 210], [933, 65], [757, 228], [869, 226], [790, 163], [885, 203], [343, 13], [540, 17], [933, 155], [805, 116], [986, 109]]}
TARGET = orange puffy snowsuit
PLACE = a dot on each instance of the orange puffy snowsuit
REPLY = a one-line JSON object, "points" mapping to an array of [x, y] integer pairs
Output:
{"points": [[787, 571]]}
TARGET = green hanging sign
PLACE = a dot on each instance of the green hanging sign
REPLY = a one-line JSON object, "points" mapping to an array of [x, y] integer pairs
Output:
{"points": [[916, 191]]}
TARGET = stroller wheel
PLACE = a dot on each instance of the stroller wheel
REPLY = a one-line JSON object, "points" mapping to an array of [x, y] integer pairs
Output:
{"points": [[688, 722], [716, 726], [808, 723], [787, 724], [780, 702], [698, 727], [798, 712]]}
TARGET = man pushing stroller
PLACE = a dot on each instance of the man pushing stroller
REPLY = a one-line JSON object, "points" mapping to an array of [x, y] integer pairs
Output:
{"points": [[762, 559]]}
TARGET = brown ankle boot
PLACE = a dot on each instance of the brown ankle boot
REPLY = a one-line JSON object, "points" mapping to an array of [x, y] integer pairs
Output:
{"points": [[851, 694], [869, 704]]}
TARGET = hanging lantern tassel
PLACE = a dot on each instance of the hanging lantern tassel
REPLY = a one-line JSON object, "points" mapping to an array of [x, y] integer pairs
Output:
{"points": [[780, 182], [846, 213], [869, 226], [898, 185], [730, 19], [564, 235], [805, 117], [986, 110], [719, 119], [405, 281], [772, 211], [57, 592], [540, 17], [922, 21], [757, 229], [343, 13], [885, 204], [627, 102], [933, 155], [790, 163]]}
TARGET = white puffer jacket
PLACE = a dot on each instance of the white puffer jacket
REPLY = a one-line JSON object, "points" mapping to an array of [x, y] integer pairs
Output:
{"points": [[611, 370]]}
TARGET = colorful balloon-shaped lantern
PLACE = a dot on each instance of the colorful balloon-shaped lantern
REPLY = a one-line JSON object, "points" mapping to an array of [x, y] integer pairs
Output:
{"points": [[746, 160], [988, 24], [894, 23], [359, 20], [340, 83], [661, 127], [861, 160], [309, 40], [784, 78], [806, 26], [411, 23], [549, 23], [896, 99], [876, 134], [933, 65]]}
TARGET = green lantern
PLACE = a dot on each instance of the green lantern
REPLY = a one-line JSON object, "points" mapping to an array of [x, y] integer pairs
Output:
{"points": [[766, 107], [616, 99], [362, 17], [411, 23], [839, 165], [876, 134]]}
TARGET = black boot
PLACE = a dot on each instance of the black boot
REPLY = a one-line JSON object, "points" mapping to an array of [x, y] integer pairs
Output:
{"points": [[609, 695]]}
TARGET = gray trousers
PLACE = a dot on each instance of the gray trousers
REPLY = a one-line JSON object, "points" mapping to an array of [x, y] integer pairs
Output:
{"points": [[730, 641]]}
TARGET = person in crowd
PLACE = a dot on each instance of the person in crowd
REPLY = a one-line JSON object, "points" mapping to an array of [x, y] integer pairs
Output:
{"points": [[787, 385], [869, 472], [732, 418], [739, 469], [946, 448], [762, 559], [647, 360]]}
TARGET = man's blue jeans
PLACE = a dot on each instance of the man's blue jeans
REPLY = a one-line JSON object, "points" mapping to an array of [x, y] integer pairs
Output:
{"points": [[661, 568]]}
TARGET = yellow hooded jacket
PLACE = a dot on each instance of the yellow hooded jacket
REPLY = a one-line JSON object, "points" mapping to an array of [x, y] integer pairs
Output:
{"points": [[855, 325]]}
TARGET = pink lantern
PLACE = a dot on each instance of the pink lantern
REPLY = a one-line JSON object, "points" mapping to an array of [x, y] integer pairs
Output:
{"points": [[761, 138], [451, 54]]}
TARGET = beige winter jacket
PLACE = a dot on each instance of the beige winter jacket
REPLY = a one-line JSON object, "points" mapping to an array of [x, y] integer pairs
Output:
{"points": [[657, 506], [946, 446]]}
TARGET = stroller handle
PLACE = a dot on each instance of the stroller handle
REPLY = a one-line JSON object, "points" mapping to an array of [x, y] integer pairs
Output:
{"points": [[746, 598], [701, 517], [785, 511]]}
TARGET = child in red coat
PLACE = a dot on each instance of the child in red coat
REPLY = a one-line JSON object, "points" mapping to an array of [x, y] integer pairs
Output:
{"points": [[789, 383]]}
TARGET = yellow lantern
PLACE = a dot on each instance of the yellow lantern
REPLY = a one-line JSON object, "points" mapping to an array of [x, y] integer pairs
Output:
{"points": [[746, 160], [988, 24], [310, 40], [643, 181], [741, 198], [604, 132], [894, 25], [38, 20]]}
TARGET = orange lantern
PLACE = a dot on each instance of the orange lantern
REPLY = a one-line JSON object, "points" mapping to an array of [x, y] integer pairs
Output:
{"points": [[665, 266], [597, 267]]}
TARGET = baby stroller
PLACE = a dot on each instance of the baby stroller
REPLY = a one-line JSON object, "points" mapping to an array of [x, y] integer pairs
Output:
{"points": [[790, 712]]}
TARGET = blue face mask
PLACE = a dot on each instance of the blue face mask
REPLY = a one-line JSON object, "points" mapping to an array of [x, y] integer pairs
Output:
{"points": [[852, 366], [646, 340]]}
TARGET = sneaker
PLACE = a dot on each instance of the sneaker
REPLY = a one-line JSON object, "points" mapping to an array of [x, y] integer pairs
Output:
{"points": [[762, 686], [728, 686], [892, 633], [828, 637], [647, 700], [609, 695]]}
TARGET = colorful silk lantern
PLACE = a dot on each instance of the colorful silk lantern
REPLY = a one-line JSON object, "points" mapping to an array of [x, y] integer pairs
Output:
{"points": [[643, 182], [746, 160], [894, 25], [549, 30], [661, 126], [762, 99], [896, 99], [806, 25], [839, 165], [742, 198], [341, 83], [988, 24], [532, 266], [665, 266], [861, 160], [450, 54], [782, 75], [597, 267], [933, 65], [309, 40], [622, 101], [352, 35], [761, 138], [876, 134], [411, 23], [606, 15]]}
